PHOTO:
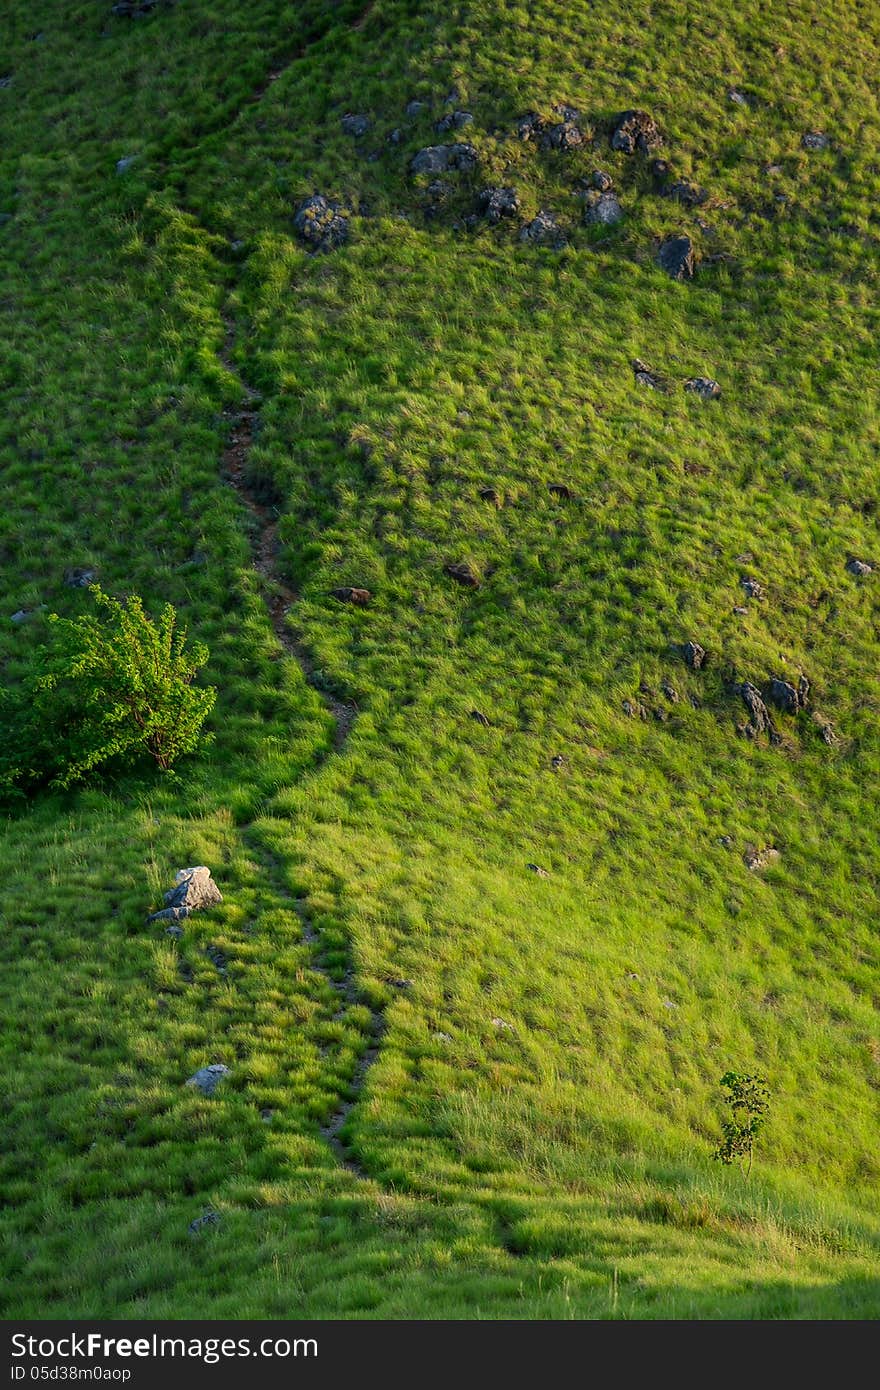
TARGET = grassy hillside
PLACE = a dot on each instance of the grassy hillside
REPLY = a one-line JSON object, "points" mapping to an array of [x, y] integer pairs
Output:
{"points": [[458, 1087]]}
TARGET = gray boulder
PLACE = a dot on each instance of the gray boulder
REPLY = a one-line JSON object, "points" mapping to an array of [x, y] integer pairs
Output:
{"points": [[207, 1079], [193, 890], [815, 140], [355, 125], [441, 159], [860, 568], [543, 230], [704, 387], [676, 257], [322, 222], [603, 209], [496, 203], [635, 130]]}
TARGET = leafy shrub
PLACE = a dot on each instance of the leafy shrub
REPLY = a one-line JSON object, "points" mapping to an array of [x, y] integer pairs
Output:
{"points": [[109, 686], [748, 1100]]}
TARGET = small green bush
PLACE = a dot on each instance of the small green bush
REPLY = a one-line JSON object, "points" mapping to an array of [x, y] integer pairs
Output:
{"points": [[748, 1100], [109, 686]]}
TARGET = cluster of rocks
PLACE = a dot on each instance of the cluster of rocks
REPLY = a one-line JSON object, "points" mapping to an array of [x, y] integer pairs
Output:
{"points": [[756, 859], [543, 230], [636, 709], [322, 222], [496, 203], [442, 159], [703, 386]]}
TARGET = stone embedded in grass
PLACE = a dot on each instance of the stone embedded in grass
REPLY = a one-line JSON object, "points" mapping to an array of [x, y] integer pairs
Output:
{"points": [[80, 576], [788, 697], [564, 135], [464, 573], [601, 181], [676, 257], [860, 568], [125, 163], [757, 859], [502, 1026], [704, 387], [636, 130], [194, 889], [645, 377], [603, 209], [134, 9], [453, 120], [208, 1218], [737, 97], [561, 490], [558, 762], [356, 596], [815, 140], [491, 494], [322, 222], [686, 193], [536, 869], [207, 1079], [414, 109], [355, 125], [759, 715], [530, 125], [752, 588], [634, 709], [670, 692], [442, 159], [496, 203], [826, 729], [543, 230], [481, 718], [694, 655]]}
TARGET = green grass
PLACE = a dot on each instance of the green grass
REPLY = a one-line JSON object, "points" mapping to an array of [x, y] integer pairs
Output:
{"points": [[561, 1166]]}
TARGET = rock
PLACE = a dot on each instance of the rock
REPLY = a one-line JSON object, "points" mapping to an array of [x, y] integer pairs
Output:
{"points": [[454, 120], [322, 222], [464, 573], [757, 859], [496, 203], [788, 697], [396, 136], [346, 595], [80, 577], [561, 490], [660, 170], [442, 1037], [704, 387], [752, 588], [636, 130], [602, 182], [217, 959], [686, 193], [645, 377], [565, 135], [134, 9], [209, 1218], [558, 762], [634, 709], [530, 125], [491, 494], [726, 841], [207, 1079], [441, 159], [826, 730], [502, 1026], [737, 98], [739, 610], [481, 718], [536, 869], [194, 889], [174, 931], [670, 692], [759, 715], [125, 163], [603, 209], [860, 568], [355, 125], [815, 140], [676, 257], [694, 655], [414, 109], [543, 231]]}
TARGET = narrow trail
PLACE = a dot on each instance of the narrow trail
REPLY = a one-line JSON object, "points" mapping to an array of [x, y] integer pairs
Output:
{"points": [[279, 599]]}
